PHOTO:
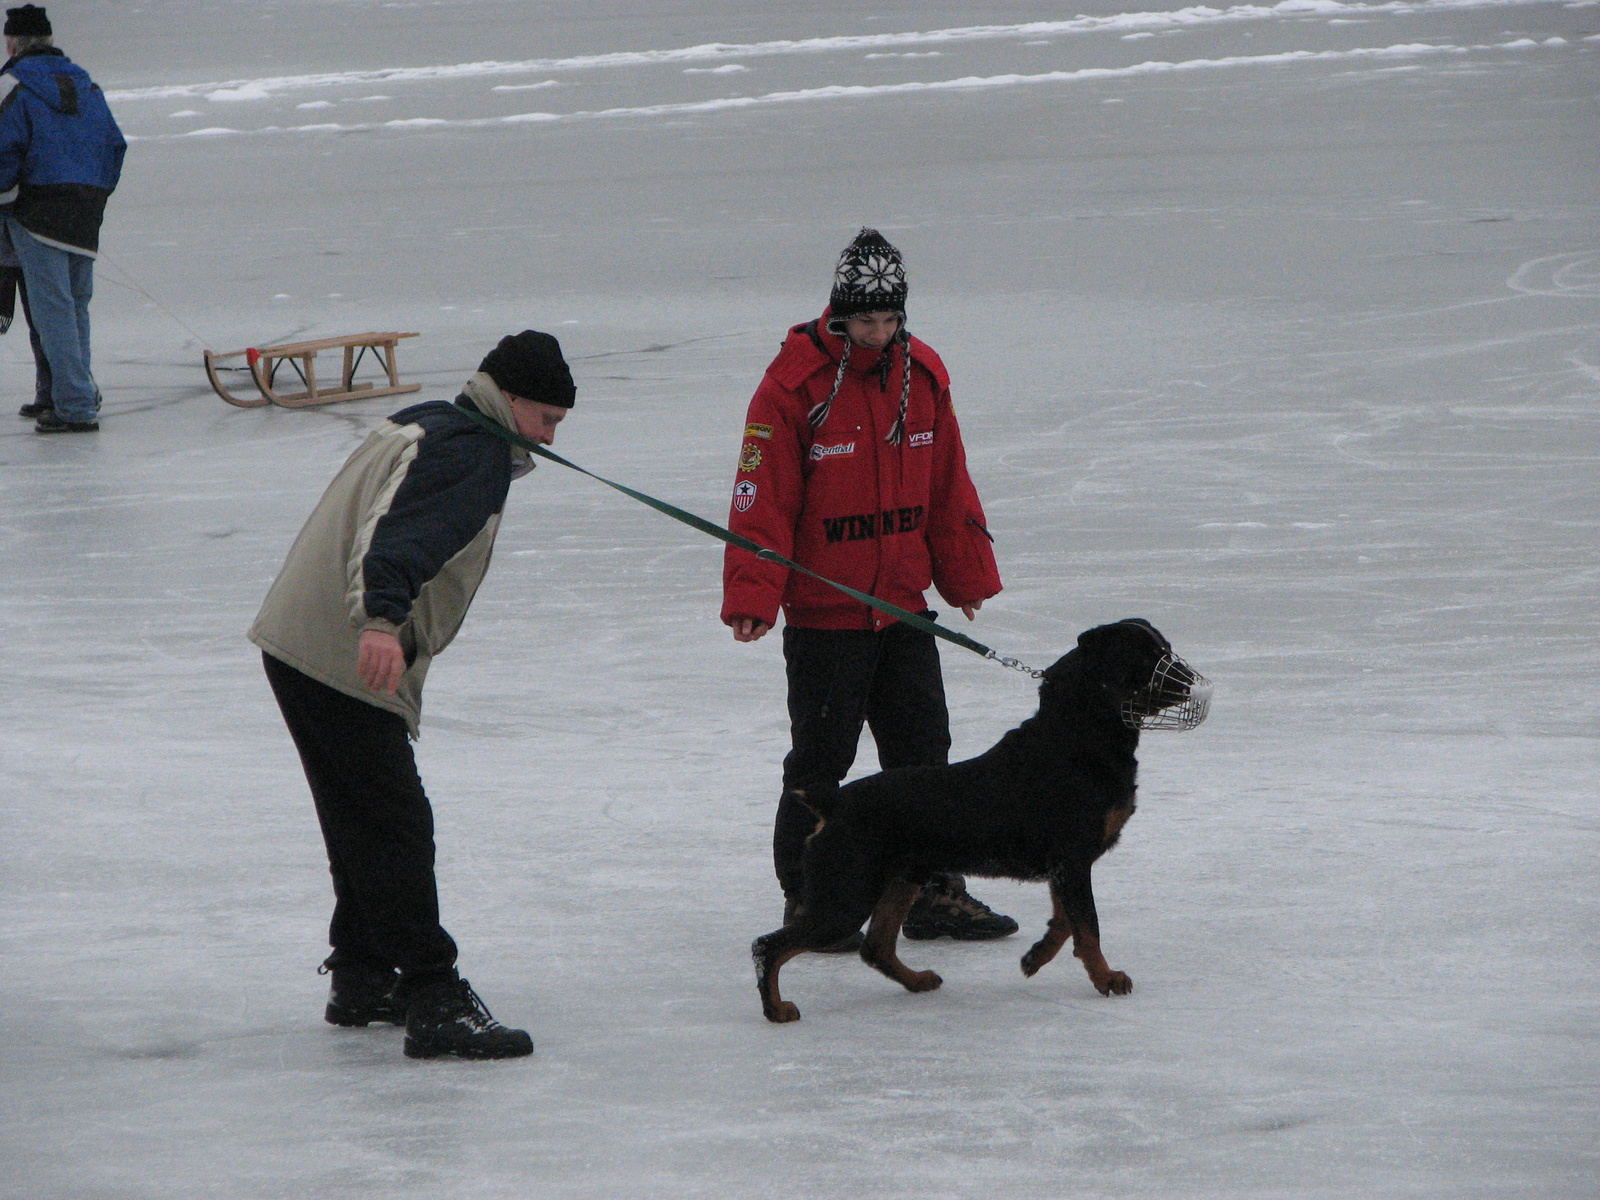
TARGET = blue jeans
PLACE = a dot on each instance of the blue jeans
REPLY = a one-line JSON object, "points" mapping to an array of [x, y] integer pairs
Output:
{"points": [[60, 285]]}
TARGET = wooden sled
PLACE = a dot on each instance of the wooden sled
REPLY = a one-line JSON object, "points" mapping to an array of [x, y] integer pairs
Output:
{"points": [[264, 362]]}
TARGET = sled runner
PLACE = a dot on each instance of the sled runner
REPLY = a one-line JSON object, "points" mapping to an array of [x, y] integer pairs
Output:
{"points": [[265, 361]]}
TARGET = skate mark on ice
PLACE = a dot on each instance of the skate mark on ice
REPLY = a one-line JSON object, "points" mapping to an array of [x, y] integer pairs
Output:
{"points": [[1575, 275]]}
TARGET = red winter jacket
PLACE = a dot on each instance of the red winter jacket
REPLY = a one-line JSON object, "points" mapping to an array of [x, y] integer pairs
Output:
{"points": [[840, 500]]}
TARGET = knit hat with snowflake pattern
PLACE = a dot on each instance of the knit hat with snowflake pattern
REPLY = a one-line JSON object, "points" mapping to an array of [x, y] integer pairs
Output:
{"points": [[870, 278]]}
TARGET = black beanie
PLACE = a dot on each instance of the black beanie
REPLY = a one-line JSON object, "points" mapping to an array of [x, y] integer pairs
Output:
{"points": [[27, 21], [869, 278], [529, 364]]}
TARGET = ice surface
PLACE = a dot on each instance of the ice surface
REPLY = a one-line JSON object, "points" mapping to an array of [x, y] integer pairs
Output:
{"points": [[1279, 327]]}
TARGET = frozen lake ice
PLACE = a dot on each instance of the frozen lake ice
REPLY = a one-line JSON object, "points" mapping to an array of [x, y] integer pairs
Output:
{"points": [[1277, 325]]}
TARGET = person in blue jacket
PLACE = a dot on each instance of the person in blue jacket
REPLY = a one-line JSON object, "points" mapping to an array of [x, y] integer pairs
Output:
{"points": [[60, 158]]}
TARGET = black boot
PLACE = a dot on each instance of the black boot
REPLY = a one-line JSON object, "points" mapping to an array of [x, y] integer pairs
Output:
{"points": [[446, 1017], [944, 909], [49, 422], [361, 993], [37, 409]]}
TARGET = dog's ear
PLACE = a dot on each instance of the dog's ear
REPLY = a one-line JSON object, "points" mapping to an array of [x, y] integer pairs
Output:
{"points": [[1141, 623], [1097, 654], [1090, 638], [1094, 641], [1120, 656]]}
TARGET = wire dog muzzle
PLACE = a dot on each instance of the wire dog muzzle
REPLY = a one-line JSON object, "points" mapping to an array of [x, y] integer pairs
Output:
{"points": [[1177, 697]]}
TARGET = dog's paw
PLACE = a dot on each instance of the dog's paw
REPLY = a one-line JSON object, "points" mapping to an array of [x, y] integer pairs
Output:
{"points": [[923, 981], [1114, 984], [782, 1013], [1035, 958]]}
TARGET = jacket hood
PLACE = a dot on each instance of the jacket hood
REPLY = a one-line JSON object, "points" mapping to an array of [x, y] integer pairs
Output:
{"points": [[809, 348], [862, 360], [482, 390], [53, 77]]}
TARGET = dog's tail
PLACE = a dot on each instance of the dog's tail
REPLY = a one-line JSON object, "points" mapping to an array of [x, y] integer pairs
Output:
{"points": [[820, 798]]}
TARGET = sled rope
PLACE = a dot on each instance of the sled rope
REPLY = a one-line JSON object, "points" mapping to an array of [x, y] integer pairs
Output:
{"points": [[915, 620], [129, 281]]}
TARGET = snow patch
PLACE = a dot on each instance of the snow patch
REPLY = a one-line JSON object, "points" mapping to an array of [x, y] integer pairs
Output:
{"points": [[247, 91]]}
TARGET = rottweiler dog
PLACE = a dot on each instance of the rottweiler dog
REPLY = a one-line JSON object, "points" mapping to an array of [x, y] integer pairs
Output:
{"points": [[1048, 800]]}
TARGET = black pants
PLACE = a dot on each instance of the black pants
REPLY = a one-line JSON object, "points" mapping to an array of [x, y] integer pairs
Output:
{"points": [[839, 679], [12, 284], [376, 823]]}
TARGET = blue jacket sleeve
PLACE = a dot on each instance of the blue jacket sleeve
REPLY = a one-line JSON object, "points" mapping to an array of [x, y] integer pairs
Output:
{"points": [[13, 138]]}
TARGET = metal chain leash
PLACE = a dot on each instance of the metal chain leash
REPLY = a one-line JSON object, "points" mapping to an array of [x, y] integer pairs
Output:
{"points": [[1014, 664]]}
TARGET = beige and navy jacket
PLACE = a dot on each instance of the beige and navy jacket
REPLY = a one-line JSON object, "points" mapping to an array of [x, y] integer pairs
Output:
{"points": [[400, 541]]}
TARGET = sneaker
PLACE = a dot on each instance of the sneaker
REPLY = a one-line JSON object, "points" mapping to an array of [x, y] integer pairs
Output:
{"points": [[447, 1017], [48, 422], [37, 409], [361, 994], [945, 909], [845, 945]]}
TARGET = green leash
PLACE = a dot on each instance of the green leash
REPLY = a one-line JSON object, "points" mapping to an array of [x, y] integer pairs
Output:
{"points": [[915, 620]]}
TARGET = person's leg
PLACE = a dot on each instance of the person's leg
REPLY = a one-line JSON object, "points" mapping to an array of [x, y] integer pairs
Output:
{"points": [[41, 362], [376, 823], [81, 278], [906, 708], [58, 291], [41, 403], [378, 827], [911, 724], [830, 675]]}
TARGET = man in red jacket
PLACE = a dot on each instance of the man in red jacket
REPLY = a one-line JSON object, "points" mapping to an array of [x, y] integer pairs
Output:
{"points": [[852, 466]]}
